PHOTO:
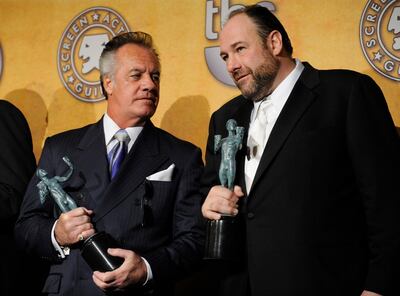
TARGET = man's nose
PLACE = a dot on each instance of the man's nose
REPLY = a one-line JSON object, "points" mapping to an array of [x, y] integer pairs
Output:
{"points": [[148, 83], [232, 64]]}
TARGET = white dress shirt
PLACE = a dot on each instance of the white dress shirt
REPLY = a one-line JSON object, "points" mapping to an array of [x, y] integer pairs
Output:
{"points": [[278, 98], [110, 129]]}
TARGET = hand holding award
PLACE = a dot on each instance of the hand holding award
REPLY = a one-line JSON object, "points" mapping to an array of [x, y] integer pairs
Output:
{"points": [[94, 248], [223, 237]]}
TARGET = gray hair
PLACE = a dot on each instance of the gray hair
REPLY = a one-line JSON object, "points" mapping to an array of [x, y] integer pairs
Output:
{"points": [[107, 59]]}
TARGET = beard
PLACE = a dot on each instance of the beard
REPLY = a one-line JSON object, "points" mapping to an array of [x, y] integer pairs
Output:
{"points": [[263, 78]]}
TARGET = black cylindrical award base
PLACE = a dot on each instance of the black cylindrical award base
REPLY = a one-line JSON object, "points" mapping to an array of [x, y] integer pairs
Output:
{"points": [[94, 251], [224, 239]]}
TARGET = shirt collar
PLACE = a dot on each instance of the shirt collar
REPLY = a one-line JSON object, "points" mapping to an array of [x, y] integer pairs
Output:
{"points": [[110, 128], [280, 95]]}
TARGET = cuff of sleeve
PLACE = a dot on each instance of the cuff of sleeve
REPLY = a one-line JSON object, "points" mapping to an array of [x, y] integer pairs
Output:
{"points": [[62, 251], [375, 280], [149, 275]]}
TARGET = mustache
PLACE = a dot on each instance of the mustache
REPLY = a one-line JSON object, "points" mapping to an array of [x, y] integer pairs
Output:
{"points": [[237, 74], [150, 95]]}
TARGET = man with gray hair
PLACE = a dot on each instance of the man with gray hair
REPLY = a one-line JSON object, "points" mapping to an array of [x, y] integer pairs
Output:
{"points": [[132, 180]]}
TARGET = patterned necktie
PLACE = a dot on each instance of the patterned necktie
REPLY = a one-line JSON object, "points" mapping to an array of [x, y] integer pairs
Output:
{"points": [[118, 152], [257, 131]]}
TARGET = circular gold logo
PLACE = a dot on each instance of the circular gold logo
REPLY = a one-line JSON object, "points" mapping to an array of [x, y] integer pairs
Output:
{"points": [[380, 37], [80, 48]]}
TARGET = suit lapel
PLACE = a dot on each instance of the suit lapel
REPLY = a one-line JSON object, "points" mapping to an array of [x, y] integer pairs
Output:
{"points": [[242, 116], [91, 160], [143, 159], [298, 102]]}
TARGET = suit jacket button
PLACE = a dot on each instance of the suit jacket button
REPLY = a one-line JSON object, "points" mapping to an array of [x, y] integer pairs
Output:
{"points": [[250, 215]]}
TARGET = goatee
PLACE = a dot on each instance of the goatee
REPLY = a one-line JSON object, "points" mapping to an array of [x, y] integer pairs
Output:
{"points": [[263, 79]]}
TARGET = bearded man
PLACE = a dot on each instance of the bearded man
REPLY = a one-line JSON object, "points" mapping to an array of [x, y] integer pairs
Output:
{"points": [[316, 187]]}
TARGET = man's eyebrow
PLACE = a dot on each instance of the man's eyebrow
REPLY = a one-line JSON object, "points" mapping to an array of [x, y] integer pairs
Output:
{"points": [[135, 70], [236, 43], [233, 45]]}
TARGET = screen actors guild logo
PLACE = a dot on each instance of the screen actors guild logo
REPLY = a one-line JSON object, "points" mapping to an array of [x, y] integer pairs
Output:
{"points": [[380, 37], [80, 48]]}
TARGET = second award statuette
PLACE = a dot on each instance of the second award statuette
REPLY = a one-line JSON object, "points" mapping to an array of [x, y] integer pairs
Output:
{"points": [[224, 236]]}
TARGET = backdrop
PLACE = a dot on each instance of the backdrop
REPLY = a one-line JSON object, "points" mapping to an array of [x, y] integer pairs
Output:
{"points": [[49, 54]]}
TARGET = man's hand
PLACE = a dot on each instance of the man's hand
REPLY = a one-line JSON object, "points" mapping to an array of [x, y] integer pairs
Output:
{"points": [[132, 271], [368, 293], [221, 200], [73, 226]]}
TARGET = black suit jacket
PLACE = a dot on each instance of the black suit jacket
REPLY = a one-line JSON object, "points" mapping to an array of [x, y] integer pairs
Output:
{"points": [[171, 239], [322, 216], [17, 164]]}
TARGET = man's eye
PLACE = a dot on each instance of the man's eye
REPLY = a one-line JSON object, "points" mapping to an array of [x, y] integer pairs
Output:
{"points": [[156, 77], [224, 57], [240, 49], [135, 76]]}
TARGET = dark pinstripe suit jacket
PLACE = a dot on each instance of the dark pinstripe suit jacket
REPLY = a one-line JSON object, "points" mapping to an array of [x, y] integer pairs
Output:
{"points": [[172, 237]]}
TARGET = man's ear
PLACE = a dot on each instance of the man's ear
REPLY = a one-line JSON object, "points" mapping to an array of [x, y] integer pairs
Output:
{"points": [[108, 85], [274, 42]]}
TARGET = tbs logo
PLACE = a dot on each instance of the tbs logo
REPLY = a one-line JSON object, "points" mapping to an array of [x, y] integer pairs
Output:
{"points": [[214, 62]]}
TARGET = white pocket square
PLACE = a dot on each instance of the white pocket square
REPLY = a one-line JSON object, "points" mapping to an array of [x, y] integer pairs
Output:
{"points": [[164, 176]]}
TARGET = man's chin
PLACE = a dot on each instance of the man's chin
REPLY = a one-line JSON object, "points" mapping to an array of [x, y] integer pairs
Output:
{"points": [[247, 93], [251, 96]]}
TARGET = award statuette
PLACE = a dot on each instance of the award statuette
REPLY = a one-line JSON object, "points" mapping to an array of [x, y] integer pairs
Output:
{"points": [[224, 236], [94, 248]]}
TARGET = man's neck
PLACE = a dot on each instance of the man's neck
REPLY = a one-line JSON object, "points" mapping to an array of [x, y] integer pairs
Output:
{"points": [[126, 122], [286, 67]]}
